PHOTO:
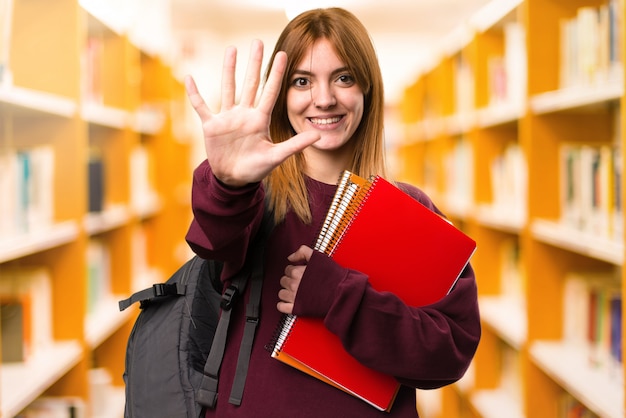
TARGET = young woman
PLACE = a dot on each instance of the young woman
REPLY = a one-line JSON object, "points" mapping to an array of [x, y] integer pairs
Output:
{"points": [[320, 112]]}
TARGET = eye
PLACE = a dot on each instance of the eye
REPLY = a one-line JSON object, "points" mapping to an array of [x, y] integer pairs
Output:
{"points": [[346, 80], [301, 82]]}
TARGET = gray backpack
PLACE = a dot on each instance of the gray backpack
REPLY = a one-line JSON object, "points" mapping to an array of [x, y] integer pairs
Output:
{"points": [[176, 346]]}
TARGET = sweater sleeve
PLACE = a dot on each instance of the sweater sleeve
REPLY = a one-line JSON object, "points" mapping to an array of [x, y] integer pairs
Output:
{"points": [[425, 347], [224, 218]]}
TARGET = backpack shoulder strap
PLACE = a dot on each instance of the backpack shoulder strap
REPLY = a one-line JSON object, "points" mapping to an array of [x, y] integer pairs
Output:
{"points": [[252, 312], [207, 394]]}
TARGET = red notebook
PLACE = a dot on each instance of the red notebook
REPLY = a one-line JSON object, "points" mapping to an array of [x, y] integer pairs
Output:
{"points": [[374, 216]]}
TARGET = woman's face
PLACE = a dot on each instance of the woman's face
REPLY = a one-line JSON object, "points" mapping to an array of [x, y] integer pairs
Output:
{"points": [[324, 97]]}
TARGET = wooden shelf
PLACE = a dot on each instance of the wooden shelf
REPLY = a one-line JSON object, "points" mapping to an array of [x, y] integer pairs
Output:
{"points": [[576, 98], [113, 217], [500, 114], [148, 121], [34, 242], [559, 235], [491, 403], [504, 86], [507, 316], [501, 219], [23, 100], [569, 366], [106, 116], [83, 93], [21, 383]]}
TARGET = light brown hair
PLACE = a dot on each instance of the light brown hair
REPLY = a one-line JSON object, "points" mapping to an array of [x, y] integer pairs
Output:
{"points": [[286, 184]]}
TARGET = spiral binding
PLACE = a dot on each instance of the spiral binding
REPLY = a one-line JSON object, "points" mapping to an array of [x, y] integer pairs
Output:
{"points": [[351, 191], [281, 333], [335, 222], [351, 212], [341, 187]]}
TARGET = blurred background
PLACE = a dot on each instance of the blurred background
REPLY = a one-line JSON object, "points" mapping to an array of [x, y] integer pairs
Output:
{"points": [[508, 113]]}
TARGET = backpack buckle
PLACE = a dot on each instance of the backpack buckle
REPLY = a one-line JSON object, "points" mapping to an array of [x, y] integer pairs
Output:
{"points": [[227, 298], [164, 289]]}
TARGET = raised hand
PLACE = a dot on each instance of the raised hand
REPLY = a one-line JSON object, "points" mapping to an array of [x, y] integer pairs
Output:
{"points": [[237, 140]]}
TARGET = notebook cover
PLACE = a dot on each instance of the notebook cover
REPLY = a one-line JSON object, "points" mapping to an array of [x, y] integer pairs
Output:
{"points": [[393, 226], [389, 225]]}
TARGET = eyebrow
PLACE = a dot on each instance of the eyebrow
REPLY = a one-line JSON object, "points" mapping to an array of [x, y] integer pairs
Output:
{"points": [[335, 72]]}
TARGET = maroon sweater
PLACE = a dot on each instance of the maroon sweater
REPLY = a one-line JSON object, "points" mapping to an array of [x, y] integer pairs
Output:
{"points": [[423, 347]]}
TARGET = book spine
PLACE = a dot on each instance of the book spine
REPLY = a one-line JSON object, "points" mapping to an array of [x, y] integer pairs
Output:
{"points": [[351, 211], [281, 334], [343, 181], [329, 235]]}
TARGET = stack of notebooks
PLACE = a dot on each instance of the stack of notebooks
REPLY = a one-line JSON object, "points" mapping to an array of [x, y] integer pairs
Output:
{"points": [[375, 228]]}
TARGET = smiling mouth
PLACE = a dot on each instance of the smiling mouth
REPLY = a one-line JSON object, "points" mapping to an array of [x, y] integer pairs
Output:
{"points": [[325, 121]]}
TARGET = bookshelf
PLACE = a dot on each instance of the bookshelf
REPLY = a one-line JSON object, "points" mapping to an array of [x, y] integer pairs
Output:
{"points": [[95, 175], [534, 174]]}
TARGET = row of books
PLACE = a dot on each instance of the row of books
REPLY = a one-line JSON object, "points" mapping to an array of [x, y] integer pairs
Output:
{"points": [[93, 62], [26, 312], [458, 176], [507, 73], [26, 189], [142, 172], [26, 302], [143, 195], [98, 273], [591, 45], [591, 197], [509, 182], [464, 94], [592, 318], [512, 274], [508, 174]]}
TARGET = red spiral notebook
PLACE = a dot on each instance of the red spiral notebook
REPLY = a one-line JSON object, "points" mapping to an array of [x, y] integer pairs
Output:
{"points": [[374, 216]]}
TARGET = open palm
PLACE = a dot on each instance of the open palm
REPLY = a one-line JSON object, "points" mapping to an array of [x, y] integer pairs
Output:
{"points": [[237, 140]]}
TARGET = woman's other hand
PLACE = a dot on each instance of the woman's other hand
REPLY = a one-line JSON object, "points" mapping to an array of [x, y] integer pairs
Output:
{"points": [[292, 278]]}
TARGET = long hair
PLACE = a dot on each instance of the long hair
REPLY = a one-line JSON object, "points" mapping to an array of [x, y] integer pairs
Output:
{"points": [[285, 185]]}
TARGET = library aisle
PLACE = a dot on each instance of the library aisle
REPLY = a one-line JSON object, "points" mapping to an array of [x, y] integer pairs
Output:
{"points": [[95, 178], [516, 132]]}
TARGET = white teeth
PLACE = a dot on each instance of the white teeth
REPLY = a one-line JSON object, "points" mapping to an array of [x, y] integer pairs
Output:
{"points": [[326, 121]]}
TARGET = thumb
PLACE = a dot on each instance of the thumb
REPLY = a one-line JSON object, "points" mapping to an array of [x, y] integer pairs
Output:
{"points": [[295, 144], [302, 255]]}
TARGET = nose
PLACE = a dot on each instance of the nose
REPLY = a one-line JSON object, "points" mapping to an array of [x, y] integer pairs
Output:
{"points": [[323, 96]]}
